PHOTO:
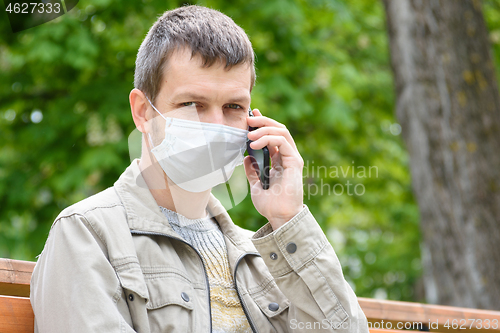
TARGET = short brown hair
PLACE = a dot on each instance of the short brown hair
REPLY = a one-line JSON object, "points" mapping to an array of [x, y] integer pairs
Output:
{"points": [[207, 32]]}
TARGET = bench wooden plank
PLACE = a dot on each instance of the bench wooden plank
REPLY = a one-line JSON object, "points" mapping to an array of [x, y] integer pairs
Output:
{"points": [[16, 315], [398, 311], [15, 277]]}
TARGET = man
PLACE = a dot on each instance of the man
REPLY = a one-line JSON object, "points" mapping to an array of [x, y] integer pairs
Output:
{"points": [[157, 252]]}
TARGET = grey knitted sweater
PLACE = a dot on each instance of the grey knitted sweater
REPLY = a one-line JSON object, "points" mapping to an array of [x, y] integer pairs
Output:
{"points": [[206, 237]]}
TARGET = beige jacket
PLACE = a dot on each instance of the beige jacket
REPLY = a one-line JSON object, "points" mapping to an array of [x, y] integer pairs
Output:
{"points": [[112, 263]]}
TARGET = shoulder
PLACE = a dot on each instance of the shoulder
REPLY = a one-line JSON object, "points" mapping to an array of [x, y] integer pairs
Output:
{"points": [[97, 222], [101, 213], [104, 200]]}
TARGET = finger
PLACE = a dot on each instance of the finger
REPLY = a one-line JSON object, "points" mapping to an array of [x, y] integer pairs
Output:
{"points": [[260, 132], [250, 171], [257, 113], [273, 151], [275, 157], [261, 121], [274, 141]]}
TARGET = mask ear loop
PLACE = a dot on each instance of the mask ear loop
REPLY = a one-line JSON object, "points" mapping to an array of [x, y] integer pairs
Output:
{"points": [[150, 140], [149, 134], [155, 108]]}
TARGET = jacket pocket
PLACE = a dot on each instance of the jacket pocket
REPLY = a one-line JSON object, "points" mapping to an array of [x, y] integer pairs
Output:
{"points": [[169, 291], [270, 300], [172, 300], [273, 306], [134, 296], [268, 308]]}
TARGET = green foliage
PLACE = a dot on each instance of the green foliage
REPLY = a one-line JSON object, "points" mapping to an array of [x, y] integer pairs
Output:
{"points": [[323, 70]]}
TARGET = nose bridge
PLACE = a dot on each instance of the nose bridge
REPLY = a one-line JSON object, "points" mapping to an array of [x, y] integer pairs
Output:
{"points": [[216, 114]]}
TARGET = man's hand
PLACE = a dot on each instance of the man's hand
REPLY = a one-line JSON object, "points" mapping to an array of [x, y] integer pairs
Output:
{"points": [[284, 198]]}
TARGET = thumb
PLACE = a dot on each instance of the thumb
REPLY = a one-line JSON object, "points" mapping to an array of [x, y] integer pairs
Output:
{"points": [[250, 171]]}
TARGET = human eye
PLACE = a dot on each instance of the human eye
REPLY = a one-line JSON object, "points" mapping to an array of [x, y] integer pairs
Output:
{"points": [[188, 104], [234, 106]]}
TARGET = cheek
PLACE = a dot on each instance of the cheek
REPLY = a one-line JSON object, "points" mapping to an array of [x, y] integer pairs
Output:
{"points": [[157, 131], [238, 121]]}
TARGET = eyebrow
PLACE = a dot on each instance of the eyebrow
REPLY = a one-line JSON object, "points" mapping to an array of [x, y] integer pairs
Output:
{"points": [[191, 96]]}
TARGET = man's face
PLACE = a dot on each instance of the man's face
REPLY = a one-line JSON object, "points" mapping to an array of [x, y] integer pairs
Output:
{"points": [[207, 94]]}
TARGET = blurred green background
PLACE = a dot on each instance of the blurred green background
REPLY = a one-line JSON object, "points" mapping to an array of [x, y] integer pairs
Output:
{"points": [[322, 69]]}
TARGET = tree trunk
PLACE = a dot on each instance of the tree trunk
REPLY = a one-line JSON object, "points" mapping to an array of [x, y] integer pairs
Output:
{"points": [[449, 109]]}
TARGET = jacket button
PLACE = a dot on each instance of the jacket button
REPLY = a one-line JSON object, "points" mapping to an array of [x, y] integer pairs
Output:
{"points": [[291, 247], [131, 297], [185, 297], [273, 256], [274, 307]]}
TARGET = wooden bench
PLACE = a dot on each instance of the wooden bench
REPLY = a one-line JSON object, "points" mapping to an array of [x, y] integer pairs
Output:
{"points": [[16, 315]]}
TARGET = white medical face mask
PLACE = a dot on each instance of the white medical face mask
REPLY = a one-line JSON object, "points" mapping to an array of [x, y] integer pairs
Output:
{"points": [[198, 156]]}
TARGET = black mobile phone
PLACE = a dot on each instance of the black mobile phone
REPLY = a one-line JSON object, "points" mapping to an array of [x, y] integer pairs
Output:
{"points": [[260, 161]]}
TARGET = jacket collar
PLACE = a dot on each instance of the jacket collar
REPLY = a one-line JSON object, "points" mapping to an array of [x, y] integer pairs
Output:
{"points": [[143, 213]]}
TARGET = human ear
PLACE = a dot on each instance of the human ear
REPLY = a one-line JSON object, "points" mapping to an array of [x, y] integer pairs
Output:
{"points": [[139, 107]]}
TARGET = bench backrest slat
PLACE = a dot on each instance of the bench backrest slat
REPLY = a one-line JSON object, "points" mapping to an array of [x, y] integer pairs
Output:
{"points": [[435, 315], [16, 315], [15, 277]]}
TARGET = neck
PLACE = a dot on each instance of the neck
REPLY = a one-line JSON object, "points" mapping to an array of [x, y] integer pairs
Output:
{"points": [[166, 194]]}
